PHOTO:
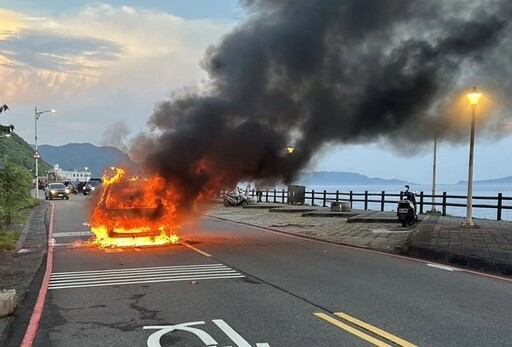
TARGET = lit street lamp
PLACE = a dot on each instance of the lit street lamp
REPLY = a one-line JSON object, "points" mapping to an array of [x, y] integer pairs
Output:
{"points": [[290, 149], [36, 154], [473, 98]]}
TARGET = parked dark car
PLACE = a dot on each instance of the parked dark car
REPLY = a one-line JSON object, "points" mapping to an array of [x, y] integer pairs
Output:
{"points": [[91, 186], [56, 190], [71, 188]]}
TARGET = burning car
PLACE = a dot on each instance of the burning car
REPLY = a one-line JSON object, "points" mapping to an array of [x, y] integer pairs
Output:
{"points": [[134, 212]]}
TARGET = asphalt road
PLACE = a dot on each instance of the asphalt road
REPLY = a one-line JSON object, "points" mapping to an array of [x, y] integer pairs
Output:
{"points": [[243, 286]]}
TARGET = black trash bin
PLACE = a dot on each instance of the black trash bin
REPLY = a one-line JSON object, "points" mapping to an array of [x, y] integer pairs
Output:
{"points": [[296, 194]]}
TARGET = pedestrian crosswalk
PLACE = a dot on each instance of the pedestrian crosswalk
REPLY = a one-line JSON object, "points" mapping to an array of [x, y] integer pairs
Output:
{"points": [[99, 278]]}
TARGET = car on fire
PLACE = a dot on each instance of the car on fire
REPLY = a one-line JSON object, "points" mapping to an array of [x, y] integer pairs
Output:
{"points": [[133, 208]]}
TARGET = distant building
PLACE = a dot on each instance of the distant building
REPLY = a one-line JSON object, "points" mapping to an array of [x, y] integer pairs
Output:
{"points": [[71, 175]]}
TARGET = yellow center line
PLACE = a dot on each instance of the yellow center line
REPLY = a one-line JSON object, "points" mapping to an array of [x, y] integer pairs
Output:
{"points": [[352, 330], [197, 250], [375, 330]]}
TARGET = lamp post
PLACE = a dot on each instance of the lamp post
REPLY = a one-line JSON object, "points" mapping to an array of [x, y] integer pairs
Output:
{"points": [[37, 114], [473, 99], [434, 176]]}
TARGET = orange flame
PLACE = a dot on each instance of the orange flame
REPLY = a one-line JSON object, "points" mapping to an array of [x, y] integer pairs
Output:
{"points": [[135, 212]]}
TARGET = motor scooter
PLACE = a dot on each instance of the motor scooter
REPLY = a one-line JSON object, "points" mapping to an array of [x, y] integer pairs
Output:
{"points": [[406, 210], [234, 199]]}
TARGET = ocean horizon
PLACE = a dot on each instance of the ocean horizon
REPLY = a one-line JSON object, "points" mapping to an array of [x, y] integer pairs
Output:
{"points": [[479, 190]]}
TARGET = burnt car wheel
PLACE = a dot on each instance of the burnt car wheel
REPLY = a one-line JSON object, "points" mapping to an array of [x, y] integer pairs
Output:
{"points": [[226, 203]]}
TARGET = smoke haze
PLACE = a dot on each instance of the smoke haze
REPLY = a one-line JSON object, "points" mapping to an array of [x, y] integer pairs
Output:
{"points": [[311, 73]]}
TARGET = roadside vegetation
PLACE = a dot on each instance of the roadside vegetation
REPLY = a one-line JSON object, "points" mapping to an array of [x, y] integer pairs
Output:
{"points": [[15, 201]]}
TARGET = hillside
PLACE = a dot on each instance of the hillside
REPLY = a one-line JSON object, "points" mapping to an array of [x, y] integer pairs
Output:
{"points": [[328, 178], [17, 150], [79, 155]]}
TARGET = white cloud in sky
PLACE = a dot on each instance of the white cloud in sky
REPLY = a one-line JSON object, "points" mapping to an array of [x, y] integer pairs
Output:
{"points": [[100, 47], [96, 65]]}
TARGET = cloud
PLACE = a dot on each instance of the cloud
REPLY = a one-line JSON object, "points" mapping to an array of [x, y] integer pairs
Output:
{"points": [[99, 53], [30, 49]]}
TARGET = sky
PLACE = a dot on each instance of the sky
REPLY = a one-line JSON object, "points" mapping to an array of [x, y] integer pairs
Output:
{"points": [[105, 65]]}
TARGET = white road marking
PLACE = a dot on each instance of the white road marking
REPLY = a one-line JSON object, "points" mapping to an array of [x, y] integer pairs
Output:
{"points": [[231, 333], [154, 339], [197, 250], [73, 234], [86, 224], [138, 268], [443, 267], [207, 339], [98, 278]]}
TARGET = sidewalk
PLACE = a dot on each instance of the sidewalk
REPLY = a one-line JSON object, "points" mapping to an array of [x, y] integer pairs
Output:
{"points": [[487, 247], [18, 268]]}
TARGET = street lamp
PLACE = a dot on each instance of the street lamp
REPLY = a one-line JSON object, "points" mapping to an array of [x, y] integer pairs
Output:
{"points": [[290, 149], [434, 164], [37, 114], [473, 99]]}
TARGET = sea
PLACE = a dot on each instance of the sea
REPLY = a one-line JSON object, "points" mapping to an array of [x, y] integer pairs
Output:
{"points": [[455, 190]]}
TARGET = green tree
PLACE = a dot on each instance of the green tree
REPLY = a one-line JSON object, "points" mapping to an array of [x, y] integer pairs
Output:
{"points": [[15, 189], [5, 128]]}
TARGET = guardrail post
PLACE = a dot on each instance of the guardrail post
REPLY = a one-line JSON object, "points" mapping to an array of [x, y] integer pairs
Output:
{"points": [[275, 195], [266, 195], [325, 198], [312, 198], [382, 199], [365, 200], [351, 199], [421, 202], [444, 203], [282, 196], [337, 195], [500, 205]]}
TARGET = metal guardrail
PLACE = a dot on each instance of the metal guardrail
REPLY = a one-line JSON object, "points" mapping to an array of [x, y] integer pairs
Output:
{"points": [[324, 197]]}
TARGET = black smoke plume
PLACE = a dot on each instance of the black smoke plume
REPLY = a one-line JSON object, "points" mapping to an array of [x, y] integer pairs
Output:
{"points": [[316, 72]]}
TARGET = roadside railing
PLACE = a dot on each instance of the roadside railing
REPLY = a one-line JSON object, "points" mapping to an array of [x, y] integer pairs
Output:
{"points": [[387, 201]]}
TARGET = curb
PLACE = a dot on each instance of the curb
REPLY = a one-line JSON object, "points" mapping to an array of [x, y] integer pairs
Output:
{"points": [[413, 252], [395, 251], [467, 261], [32, 262]]}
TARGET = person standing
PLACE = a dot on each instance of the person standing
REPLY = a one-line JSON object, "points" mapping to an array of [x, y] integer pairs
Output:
{"points": [[259, 192]]}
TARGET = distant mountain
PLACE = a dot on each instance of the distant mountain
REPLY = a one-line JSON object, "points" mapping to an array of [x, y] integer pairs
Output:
{"points": [[332, 178], [493, 182], [79, 155]]}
